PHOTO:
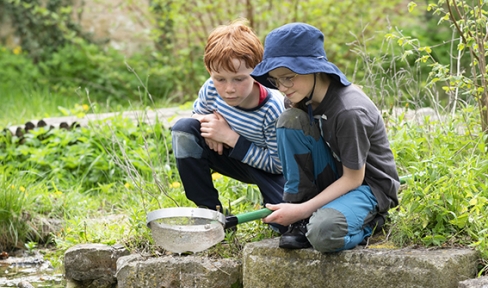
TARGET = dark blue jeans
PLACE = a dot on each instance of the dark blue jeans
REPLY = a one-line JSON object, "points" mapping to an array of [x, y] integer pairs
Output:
{"points": [[196, 161]]}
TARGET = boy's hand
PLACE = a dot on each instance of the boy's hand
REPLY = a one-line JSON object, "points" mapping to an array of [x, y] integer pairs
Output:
{"points": [[215, 129], [285, 213], [215, 146]]}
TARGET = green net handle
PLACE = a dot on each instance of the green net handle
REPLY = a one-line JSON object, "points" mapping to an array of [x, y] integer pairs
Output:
{"points": [[254, 215]]}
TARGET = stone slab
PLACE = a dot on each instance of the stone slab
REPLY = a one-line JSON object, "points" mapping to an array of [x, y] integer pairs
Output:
{"points": [[136, 271], [267, 265]]}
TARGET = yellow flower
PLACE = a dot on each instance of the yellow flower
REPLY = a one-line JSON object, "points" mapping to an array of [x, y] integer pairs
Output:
{"points": [[22, 189], [13, 186], [127, 185], [58, 193], [85, 107], [175, 185], [216, 176], [17, 50]]}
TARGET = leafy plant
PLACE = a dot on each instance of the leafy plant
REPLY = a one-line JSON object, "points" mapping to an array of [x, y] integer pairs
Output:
{"points": [[447, 204], [41, 27], [460, 82], [30, 246]]}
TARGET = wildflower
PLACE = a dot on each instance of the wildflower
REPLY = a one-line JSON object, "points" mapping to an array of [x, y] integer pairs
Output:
{"points": [[17, 50], [58, 193], [85, 107], [127, 185], [175, 185], [22, 189], [216, 176], [12, 187]]}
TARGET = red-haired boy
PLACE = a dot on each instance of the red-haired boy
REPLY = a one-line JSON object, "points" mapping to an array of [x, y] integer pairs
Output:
{"points": [[233, 127]]}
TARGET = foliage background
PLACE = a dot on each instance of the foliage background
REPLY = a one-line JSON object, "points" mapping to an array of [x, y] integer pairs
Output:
{"points": [[67, 58], [56, 67]]}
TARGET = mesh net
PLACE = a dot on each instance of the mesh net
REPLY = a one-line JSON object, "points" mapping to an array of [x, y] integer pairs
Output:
{"points": [[186, 234]]}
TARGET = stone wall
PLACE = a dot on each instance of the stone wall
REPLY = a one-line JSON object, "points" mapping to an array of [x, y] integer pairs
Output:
{"points": [[264, 264]]}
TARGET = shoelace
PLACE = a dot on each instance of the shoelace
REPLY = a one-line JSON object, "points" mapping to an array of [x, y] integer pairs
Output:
{"points": [[300, 225]]}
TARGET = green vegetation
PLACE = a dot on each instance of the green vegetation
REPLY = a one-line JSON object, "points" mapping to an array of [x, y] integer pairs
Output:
{"points": [[113, 167], [96, 184], [446, 203]]}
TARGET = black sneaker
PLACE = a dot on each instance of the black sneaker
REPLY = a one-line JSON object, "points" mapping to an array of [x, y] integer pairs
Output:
{"points": [[378, 222], [376, 225], [280, 229], [295, 237]]}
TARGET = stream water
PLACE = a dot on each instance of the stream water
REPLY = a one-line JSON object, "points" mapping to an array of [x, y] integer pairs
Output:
{"points": [[33, 270]]}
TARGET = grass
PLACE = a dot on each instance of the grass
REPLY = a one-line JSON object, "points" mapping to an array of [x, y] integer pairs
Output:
{"points": [[22, 103], [12, 202]]}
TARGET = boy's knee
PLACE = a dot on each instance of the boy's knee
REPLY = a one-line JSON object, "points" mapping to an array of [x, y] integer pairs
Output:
{"points": [[185, 141], [296, 119], [293, 118], [188, 125], [327, 229]]}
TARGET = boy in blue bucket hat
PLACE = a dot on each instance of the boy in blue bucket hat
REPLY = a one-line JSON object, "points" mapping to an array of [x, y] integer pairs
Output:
{"points": [[341, 177]]}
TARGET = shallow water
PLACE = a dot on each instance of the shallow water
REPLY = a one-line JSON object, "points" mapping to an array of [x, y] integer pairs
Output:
{"points": [[31, 269]]}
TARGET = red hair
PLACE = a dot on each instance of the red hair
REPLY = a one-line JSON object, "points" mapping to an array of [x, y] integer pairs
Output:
{"points": [[233, 41]]}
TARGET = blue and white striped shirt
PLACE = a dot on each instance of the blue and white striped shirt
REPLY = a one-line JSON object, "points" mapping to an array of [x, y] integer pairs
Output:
{"points": [[257, 145]]}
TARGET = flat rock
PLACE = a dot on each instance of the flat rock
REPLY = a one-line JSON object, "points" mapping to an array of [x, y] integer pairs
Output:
{"points": [[177, 271], [92, 265], [267, 265]]}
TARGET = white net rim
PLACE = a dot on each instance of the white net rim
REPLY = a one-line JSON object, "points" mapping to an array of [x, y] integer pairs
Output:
{"points": [[185, 212]]}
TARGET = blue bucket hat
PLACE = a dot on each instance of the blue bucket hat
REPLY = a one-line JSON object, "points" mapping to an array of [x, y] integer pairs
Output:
{"points": [[298, 47]]}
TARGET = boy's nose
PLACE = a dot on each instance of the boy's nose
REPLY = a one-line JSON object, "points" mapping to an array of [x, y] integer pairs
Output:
{"points": [[230, 88]]}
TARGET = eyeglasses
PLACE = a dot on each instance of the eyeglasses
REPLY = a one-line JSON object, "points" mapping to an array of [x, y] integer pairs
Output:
{"points": [[285, 81]]}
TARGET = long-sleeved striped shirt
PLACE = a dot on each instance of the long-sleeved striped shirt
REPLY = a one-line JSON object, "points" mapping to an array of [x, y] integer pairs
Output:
{"points": [[256, 145]]}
